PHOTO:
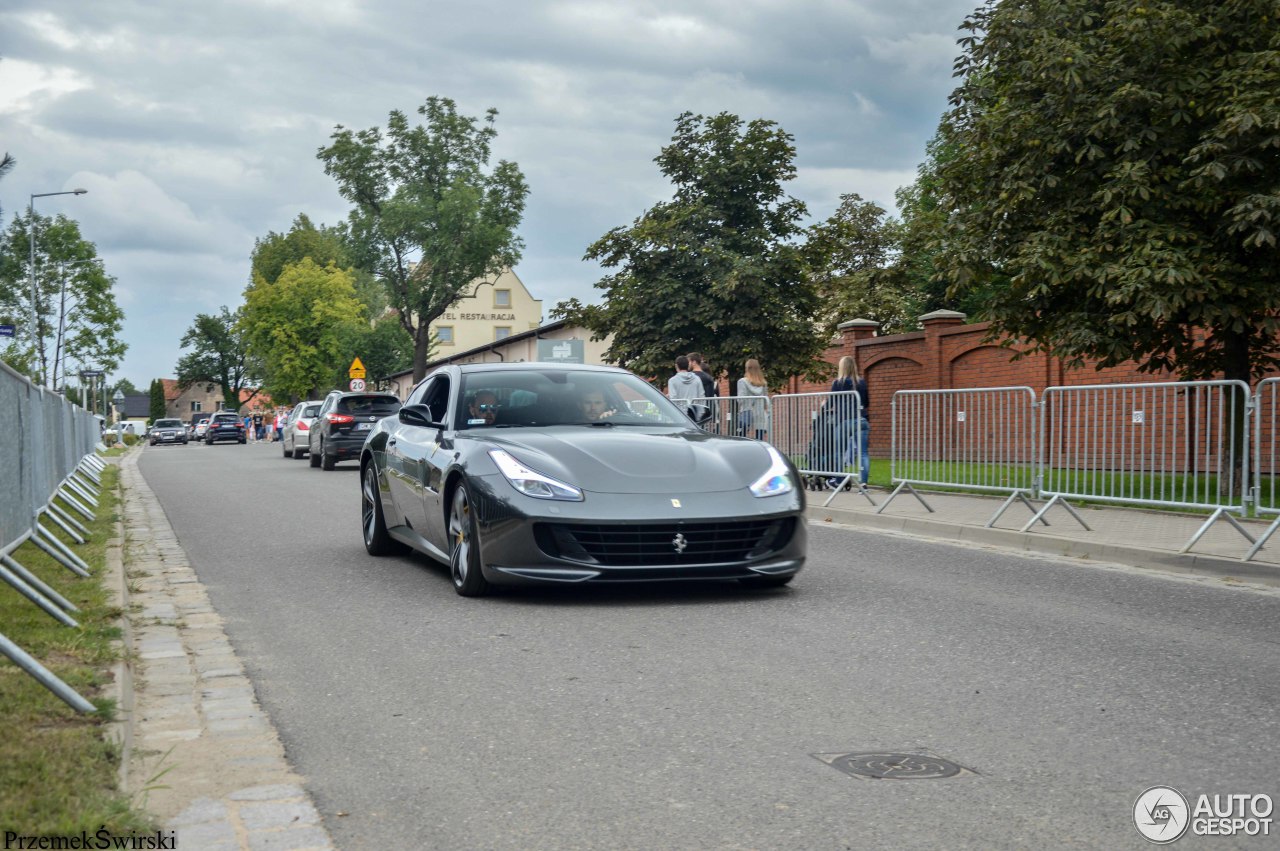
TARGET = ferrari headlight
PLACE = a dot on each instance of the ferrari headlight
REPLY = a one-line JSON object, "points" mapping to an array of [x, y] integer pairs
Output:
{"points": [[777, 479], [531, 482]]}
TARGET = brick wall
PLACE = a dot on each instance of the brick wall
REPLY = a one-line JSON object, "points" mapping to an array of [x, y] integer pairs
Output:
{"points": [[949, 354]]}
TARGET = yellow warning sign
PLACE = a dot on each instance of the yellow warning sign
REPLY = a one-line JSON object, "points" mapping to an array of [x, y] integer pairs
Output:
{"points": [[357, 369]]}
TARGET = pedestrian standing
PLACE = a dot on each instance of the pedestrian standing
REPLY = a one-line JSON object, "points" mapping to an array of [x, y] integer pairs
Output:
{"points": [[257, 426], [710, 387], [753, 407], [852, 430], [684, 385], [279, 424]]}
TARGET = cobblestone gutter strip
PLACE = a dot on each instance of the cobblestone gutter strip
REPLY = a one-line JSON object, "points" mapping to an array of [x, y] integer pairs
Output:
{"points": [[206, 759]]}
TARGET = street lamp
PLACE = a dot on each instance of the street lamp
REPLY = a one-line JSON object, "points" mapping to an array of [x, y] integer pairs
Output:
{"points": [[31, 268]]}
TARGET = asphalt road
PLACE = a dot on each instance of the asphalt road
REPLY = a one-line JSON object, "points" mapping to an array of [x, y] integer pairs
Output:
{"points": [[690, 716]]}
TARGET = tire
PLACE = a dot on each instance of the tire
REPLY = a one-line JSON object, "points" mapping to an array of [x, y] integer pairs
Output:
{"points": [[297, 453], [377, 542], [286, 452], [767, 581], [315, 460], [464, 547], [327, 461]]}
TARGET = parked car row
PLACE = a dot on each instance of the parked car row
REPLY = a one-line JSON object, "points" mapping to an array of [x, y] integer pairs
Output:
{"points": [[334, 429]]}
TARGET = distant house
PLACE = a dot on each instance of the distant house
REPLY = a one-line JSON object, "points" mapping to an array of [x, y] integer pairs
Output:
{"points": [[196, 399], [136, 409]]}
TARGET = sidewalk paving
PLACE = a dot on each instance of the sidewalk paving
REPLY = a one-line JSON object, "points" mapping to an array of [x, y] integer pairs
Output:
{"points": [[203, 756], [1131, 536]]}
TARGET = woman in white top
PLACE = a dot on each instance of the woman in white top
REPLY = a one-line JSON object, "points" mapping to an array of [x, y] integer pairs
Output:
{"points": [[753, 410]]}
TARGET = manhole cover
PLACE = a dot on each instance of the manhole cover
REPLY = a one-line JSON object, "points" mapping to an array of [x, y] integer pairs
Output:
{"points": [[893, 766]]}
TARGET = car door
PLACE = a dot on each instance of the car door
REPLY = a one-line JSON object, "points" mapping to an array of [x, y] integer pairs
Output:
{"points": [[408, 459], [438, 399]]}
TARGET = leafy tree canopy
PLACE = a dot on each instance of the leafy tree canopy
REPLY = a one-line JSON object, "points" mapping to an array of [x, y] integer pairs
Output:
{"points": [[78, 319], [429, 215], [323, 245], [301, 328], [1120, 161], [716, 268], [219, 356], [851, 258]]}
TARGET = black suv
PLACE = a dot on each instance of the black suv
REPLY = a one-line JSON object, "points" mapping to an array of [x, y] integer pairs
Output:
{"points": [[224, 425], [344, 421]]}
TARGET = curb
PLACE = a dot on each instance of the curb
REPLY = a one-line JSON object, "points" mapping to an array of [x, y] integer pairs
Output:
{"points": [[1189, 564]]}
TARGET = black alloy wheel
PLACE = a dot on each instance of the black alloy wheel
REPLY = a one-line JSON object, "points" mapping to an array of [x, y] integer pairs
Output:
{"points": [[464, 547], [377, 541]]}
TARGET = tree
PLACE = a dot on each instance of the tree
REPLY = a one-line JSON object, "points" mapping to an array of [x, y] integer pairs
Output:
{"points": [[219, 356], [158, 409], [1120, 161], [322, 245], [77, 314], [301, 328], [716, 268], [851, 260], [428, 217]]}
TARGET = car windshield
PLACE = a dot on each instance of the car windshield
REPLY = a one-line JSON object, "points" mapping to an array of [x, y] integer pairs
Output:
{"points": [[168, 424], [311, 411], [378, 406], [226, 418], [559, 396]]}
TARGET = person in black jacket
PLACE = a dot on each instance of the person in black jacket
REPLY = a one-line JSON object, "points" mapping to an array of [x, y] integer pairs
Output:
{"points": [[852, 418], [710, 387]]}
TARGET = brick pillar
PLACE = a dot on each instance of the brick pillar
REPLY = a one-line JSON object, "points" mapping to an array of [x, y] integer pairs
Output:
{"points": [[934, 324]]}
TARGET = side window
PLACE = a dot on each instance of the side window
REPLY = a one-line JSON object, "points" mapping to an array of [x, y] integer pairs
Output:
{"points": [[437, 398]]}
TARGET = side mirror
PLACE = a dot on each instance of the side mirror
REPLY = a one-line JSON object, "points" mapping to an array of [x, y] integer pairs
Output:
{"points": [[700, 414], [418, 415]]}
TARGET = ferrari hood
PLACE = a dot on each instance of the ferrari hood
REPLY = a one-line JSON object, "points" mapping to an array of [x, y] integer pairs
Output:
{"points": [[626, 459]]}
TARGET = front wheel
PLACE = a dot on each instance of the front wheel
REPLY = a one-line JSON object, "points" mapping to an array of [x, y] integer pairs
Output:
{"points": [[377, 541], [464, 550]]}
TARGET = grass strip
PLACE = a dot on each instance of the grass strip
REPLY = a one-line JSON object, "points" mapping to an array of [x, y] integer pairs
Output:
{"points": [[58, 769]]}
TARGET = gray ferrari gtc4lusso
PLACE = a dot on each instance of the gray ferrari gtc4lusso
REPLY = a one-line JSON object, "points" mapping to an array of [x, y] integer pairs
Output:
{"points": [[534, 473]]}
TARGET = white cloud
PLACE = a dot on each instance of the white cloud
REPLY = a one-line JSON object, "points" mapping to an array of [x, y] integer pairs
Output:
{"points": [[23, 83]]}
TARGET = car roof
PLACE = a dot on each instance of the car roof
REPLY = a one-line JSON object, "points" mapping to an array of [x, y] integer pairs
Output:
{"points": [[526, 366]]}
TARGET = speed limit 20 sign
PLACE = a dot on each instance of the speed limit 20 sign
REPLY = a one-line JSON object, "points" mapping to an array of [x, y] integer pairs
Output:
{"points": [[357, 384]]}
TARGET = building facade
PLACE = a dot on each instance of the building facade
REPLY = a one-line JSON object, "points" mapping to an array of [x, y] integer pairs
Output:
{"points": [[495, 310]]}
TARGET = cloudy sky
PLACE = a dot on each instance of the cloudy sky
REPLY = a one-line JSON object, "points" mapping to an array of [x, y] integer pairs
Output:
{"points": [[194, 126]]}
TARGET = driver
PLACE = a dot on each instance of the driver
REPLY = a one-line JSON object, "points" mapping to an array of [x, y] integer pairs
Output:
{"points": [[483, 408], [594, 407]]}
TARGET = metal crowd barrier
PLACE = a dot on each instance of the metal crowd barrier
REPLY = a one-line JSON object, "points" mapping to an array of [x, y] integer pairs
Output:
{"points": [[49, 472], [742, 416], [981, 439], [1168, 444], [1266, 459], [818, 432]]}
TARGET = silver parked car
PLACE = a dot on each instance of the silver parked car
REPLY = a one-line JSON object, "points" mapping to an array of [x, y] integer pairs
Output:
{"points": [[297, 429]]}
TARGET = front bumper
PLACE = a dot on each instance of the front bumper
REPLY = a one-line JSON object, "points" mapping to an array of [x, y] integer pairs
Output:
{"points": [[168, 438], [636, 537]]}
